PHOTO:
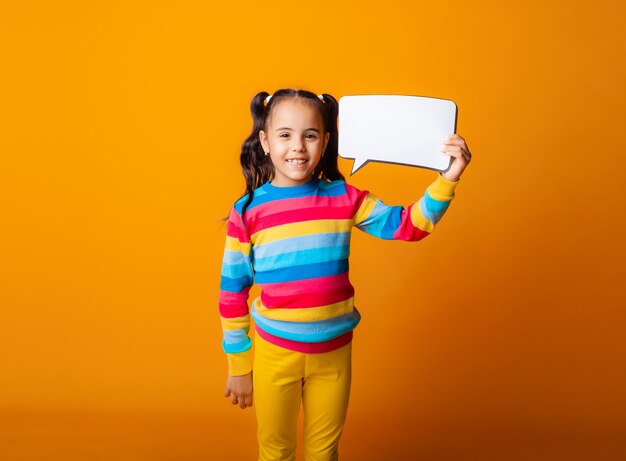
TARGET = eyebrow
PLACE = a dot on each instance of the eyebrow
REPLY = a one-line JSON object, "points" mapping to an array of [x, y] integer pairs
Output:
{"points": [[290, 129]]}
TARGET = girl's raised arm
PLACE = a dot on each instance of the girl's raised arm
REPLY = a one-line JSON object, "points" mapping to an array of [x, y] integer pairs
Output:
{"points": [[397, 223], [419, 219]]}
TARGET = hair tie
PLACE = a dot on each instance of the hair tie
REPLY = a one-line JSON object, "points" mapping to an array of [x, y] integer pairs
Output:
{"points": [[267, 100]]}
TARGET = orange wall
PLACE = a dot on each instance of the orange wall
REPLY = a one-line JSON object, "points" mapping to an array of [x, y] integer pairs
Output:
{"points": [[501, 336]]}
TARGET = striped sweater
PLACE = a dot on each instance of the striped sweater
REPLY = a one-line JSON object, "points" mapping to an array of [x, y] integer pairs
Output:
{"points": [[294, 245]]}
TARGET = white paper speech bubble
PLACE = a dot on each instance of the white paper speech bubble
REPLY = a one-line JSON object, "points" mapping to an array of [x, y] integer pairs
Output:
{"points": [[407, 130]]}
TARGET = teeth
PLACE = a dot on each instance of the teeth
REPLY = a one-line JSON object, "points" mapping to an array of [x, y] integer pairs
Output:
{"points": [[295, 161]]}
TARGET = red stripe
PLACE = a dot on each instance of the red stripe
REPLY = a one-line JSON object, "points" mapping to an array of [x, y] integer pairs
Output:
{"points": [[299, 215], [233, 305], [314, 285], [233, 311], [407, 231], [235, 227], [306, 300], [307, 348]]}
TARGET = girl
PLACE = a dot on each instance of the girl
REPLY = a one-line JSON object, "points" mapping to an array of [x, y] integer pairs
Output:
{"points": [[291, 235]]}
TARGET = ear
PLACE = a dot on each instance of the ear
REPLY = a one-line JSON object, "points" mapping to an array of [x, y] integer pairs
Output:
{"points": [[326, 138], [263, 139]]}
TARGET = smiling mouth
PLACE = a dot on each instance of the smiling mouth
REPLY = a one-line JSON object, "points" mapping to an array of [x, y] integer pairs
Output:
{"points": [[296, 161]]}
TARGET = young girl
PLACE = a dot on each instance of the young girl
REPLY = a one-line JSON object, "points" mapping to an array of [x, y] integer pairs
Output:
{"points": [[290, 234]]}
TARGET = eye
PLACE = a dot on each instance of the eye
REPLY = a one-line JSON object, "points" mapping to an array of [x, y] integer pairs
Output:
{"points": [[283, 135], [312, 135]]}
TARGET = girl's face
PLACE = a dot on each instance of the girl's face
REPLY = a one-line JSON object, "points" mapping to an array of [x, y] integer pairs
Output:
{"points": [[295, 140]]}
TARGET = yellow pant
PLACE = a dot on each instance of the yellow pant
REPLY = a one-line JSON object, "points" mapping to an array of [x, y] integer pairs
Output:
{"points": [[282, 379]]}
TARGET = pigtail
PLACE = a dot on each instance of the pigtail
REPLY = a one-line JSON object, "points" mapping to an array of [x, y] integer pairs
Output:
{"points": [[328, 167], [255, 165]]}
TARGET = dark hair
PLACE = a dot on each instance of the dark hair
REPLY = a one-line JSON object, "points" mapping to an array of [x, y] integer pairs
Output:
{"points": [[257, 167]]}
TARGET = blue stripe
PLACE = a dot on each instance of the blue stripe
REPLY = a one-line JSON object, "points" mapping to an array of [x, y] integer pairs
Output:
{"points": [[324, 189], [235, 348], [375, 222], [383, 221], [435, 206], [392, 223], [234, 257], [308, 271], [236, 336], [234, 271], [308, 332], [259, 196], [303, 242], [235, 285], [302, 257], [432, 217], [332, 189]]}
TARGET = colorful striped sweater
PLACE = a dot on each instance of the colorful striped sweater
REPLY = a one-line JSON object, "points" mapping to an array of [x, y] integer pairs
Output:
{"points": [[294, 245]]}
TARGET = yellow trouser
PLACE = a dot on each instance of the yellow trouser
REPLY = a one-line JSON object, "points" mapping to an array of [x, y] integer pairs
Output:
{"points": [[282, 379]]}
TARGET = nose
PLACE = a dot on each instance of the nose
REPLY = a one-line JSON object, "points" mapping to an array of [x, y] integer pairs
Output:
{"points": [[298, 144]]}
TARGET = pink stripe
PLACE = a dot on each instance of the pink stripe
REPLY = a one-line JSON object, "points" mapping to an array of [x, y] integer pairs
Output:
{"points": [[306, 300], [293, 216], [315, 285], [229, 297], [235, 226], [356, 197], [307, 348], [233, 305], [288, 204]]}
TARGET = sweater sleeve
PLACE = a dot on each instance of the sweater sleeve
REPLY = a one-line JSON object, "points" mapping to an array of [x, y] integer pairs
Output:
{"points": [[397, 223], [236, 279]]}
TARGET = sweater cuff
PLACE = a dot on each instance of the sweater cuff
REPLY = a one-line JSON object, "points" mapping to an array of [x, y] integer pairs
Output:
{"points": [[441, 189], [239, 363]]}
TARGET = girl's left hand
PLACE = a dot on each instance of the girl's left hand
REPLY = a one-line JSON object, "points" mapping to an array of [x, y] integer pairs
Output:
{"points": [[454, 146]]}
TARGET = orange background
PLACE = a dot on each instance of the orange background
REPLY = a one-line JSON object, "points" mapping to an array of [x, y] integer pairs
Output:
{"points": [[499, 337]]}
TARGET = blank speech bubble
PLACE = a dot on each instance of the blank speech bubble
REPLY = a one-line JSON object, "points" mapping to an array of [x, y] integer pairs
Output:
{"points": [[407, 130]]}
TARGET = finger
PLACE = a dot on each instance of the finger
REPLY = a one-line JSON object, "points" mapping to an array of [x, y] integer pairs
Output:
{"points": [[249, 400], [244, 401], [454, 139], [453, 144], [458, 157], [454, 151], [234, 400], [227, 392], [466, 153], [461, 149]]}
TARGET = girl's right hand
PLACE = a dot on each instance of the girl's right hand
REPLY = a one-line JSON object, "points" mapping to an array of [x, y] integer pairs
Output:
{"points": [[239, 389]]}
